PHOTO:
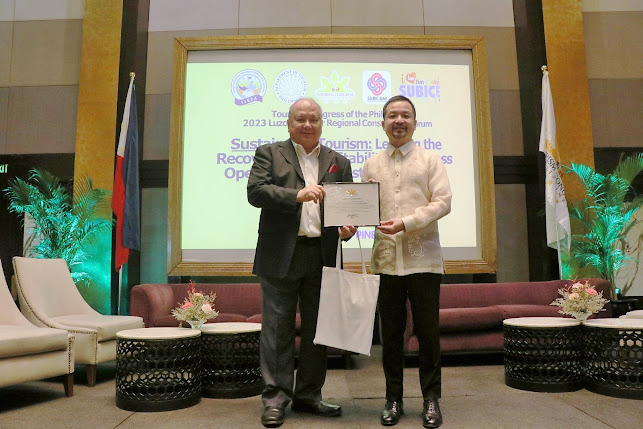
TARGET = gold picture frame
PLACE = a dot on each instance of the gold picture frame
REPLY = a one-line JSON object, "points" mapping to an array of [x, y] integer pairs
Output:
{"points": [[486, 263]]}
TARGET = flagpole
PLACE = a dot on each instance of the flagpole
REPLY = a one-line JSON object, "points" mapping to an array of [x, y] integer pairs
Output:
{"points": [[120, 269], [560, 264], [120, 284]]}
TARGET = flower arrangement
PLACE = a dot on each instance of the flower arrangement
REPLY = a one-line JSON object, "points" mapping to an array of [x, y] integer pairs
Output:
{"points": [[580, 300], [197, 307]]}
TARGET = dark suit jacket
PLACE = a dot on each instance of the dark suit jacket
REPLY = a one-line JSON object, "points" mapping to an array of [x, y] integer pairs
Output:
{"points": [[275, 179]]}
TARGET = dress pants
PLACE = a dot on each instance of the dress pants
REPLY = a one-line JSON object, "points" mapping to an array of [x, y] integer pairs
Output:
{"points": [[423, 292], [277, 347]]}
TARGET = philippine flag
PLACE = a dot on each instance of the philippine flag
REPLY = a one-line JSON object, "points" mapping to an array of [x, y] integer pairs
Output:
{"points": [[125, 198]]}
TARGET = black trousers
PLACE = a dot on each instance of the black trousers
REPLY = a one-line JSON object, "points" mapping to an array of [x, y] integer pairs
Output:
{"points": [[423, 292], [280, 298]]}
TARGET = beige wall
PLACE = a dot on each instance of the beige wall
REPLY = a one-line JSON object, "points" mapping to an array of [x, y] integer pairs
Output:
{"points": [[39, 71], [615, 72], [40, 44]]}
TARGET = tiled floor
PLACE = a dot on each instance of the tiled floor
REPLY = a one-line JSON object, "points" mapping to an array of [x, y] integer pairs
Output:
{"points": [[473, 396]]}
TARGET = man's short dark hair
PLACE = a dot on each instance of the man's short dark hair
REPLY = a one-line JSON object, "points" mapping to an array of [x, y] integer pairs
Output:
{"points": [[394, 99]]}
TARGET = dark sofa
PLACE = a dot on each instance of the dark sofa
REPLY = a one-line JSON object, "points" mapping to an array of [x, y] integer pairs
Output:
{"points": [[471, 314], [235, 302]]}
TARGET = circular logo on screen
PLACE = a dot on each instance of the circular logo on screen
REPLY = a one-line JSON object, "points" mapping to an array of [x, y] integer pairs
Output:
{"points": [[248, 87], [290, 86], [376, 84]]}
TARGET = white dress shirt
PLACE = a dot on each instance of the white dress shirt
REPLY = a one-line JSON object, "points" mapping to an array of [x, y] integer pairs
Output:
{"points": [[414, 187], [310, 223]]}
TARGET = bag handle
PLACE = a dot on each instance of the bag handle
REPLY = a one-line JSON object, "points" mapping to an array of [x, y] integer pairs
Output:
{"points": [[338, 258]]}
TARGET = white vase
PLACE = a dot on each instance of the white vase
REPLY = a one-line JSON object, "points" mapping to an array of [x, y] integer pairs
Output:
{"points": [[196, 324], [582, 316]]}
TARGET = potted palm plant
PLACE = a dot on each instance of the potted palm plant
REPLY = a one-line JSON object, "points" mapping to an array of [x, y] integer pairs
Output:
{"points": [[64, 224], [602, 219]]}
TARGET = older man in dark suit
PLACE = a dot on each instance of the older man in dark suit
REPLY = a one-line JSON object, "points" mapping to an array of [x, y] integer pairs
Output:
{"points": [[285, 182]]}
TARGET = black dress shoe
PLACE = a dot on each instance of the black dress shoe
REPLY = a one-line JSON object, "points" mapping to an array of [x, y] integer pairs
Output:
{"points": [[320, 408], [391, 413], [431, 415], [272, 417]]}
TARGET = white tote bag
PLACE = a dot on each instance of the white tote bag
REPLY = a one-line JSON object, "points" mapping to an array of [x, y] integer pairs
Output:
{"points": [[347, 307]]}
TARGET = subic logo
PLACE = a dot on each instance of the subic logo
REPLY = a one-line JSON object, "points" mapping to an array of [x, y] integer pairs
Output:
{"points": [[376, 86], [248, 87], [412, 87]]}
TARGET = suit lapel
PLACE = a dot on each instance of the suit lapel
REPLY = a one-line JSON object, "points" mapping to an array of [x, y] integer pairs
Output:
{"points": [[325, 160], [289, 154]]}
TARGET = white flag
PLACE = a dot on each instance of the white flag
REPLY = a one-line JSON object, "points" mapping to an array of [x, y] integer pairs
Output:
{"points": [[558, 229]]}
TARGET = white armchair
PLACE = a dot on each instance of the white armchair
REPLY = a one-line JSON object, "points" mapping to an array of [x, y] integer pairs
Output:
{"points": [[29, 353], [49, 297]]}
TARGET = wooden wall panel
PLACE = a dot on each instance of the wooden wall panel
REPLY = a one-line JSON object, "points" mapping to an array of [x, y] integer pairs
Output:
{"points": [[566, 60]]}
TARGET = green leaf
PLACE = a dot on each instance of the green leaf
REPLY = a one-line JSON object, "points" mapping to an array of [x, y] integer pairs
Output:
{"points": [[64, 223], [601, 220]]}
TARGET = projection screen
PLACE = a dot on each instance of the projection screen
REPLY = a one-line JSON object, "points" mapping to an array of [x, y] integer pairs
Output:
{"points": [[232, 94]]}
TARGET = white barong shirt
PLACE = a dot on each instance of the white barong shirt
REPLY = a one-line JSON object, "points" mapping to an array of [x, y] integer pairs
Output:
{"points": [[414, 187]]}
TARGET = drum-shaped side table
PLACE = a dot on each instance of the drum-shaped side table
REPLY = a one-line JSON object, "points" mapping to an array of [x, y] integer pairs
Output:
{"points": [[634, 314], [543, 354], [614, 357], [158, 369], [230, 360]]}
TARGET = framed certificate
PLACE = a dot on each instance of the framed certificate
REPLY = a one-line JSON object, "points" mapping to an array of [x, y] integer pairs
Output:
{"points": [[349, 203]]}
